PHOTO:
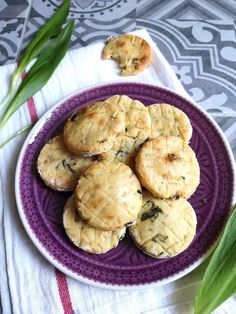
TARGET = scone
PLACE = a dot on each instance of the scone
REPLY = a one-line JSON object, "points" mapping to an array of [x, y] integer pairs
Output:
{"points": [[132, 53], [137, 130], [168, 120], [86, 237], [58, 167], [92, 129], [164, 228], [168, 168], [108, 195]]}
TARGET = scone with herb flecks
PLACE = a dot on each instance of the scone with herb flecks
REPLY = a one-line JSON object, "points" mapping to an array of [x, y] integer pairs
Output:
{"points": [[167, 120], [164, 228], [86, 237], [92, 129], [108, 195], [168, 168], [58, 167], [132, 53], [137, 130]]}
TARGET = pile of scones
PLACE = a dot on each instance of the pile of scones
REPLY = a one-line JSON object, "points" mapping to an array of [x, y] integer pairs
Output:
{"points": [[128, 166]]}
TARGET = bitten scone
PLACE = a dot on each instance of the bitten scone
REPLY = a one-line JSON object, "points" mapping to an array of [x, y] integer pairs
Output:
{"points": [[92, 129], [137, 130], [108, 195], [168, 120], [132, 53], [86, 237], [164, 228], [58, 167], [168, 168]]}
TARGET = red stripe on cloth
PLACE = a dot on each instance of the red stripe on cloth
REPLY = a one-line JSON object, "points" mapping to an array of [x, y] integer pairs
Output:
{"points": [[62, 285], [64, 292], [31, 106], [32, 110]]}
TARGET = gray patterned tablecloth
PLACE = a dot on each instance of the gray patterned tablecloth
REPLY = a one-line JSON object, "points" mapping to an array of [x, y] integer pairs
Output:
{"points": [[196, 36]]}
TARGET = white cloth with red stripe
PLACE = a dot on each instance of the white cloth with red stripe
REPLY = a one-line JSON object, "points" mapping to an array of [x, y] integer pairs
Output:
{"points": [[28, 283]]}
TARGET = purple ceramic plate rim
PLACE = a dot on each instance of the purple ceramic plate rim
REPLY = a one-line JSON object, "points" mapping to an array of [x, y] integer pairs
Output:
{"points": [[30, 138]]}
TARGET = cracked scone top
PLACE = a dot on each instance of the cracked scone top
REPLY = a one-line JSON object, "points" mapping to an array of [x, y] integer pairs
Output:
{"points": [[84, 236], [108, 195], [58, 167], [132, 53], [168, 168], [164, 228], [137, 130], [168, 120], [92, 129]]}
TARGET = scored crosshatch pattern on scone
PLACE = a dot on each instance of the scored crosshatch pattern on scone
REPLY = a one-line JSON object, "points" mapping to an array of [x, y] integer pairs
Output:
{"points": [[137, 130], [86, 237], [58, 167], [108, 195], [164, 228], [169, 120], [168, 168], [92, 129]]}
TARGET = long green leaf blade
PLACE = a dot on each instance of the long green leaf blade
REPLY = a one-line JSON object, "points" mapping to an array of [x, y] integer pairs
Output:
{"points": [[41, 71], [219, 281], [19, 132], [47, 31]]}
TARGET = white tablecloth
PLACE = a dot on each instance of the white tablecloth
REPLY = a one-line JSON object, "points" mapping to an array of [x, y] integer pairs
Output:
{"points": [[28, 283]]}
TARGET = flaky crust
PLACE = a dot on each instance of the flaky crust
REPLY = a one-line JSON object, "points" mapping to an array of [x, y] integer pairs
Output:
{"points": [[86, 237], [108, 195], [167, 120], [164, 228], [58, 167], [132, 53], [168, 168], [137, 130], [92, 129]]}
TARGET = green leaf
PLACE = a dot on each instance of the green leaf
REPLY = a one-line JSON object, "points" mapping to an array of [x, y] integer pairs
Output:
{"points": [[219, 281], [41, 71], [47, 31], [24, 129]]}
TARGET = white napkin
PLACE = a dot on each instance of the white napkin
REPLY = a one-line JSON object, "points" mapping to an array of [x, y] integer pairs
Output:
{"points": [[28, 283]]}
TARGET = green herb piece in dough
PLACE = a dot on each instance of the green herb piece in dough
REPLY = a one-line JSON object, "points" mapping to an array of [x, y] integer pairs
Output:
{"points": [[152, 212]]}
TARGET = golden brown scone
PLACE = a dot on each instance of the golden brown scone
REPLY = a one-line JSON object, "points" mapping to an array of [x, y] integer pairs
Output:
{"points": [[137, 130], [108, 195], [164, 228], [58, 167], [87, 238], [168, 120], [132, 53], [168, 168], [92, 129]]}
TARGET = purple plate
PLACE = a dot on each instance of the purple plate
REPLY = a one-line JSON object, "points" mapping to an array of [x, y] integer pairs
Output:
{"points": [[125, 267]]}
